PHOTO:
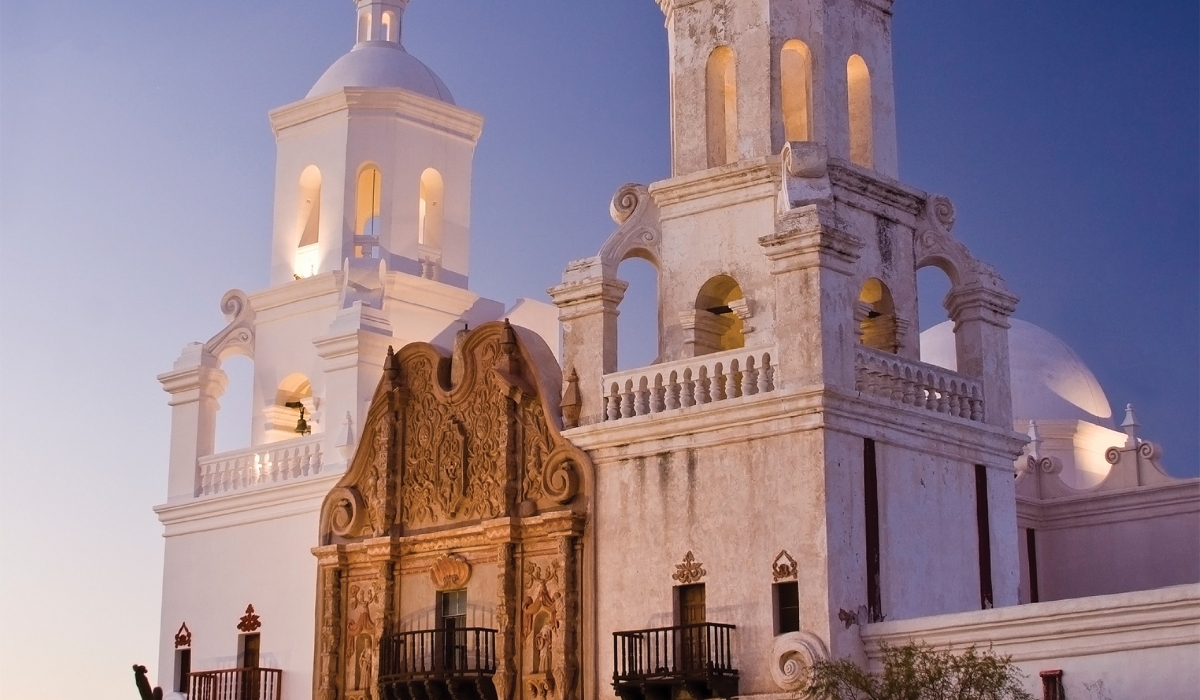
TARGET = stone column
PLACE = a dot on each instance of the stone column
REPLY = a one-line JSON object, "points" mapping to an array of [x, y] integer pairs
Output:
{"points": [[587, 301], [195, 385], [980, 313], [812, 263]]}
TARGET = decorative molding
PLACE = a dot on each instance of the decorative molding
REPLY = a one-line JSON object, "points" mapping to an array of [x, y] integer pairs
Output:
{"points": [[639, 233], [792, 658], [449, 572], [690, 571], [250, 622], [238, 336], [784, 567], [183, 638]]}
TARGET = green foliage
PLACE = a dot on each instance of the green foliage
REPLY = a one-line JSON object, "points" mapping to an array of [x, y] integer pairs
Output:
{"points": [[916, 672]]}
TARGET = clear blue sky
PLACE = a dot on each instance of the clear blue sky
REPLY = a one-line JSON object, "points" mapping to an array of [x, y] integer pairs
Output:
{"points": [[136, 169]]}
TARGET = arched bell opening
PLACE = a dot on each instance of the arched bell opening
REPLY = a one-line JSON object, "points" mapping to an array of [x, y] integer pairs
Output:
{"points": [[717, 323], [293, 412], [878, 326], [637, 320]]}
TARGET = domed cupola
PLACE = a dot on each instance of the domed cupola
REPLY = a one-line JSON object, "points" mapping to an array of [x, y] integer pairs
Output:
{"points": [[378, 59]]}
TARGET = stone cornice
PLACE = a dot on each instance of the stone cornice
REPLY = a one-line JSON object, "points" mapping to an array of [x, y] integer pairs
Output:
{"points": [[862, 188], [765, 415], [390, 102], [1090, 508], [714, 188], [323, 287], [1074, 627], [809, 237], [304, 497]]}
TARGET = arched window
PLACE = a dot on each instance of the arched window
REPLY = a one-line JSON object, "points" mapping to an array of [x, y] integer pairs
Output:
{"points": [[637, 322], [430, 209], [370, 191], [858, 86], [795, 84], [389, 26], [719, 326], [364, 25], [721, 107], [308, 222], [877, 317], [291, 414]]}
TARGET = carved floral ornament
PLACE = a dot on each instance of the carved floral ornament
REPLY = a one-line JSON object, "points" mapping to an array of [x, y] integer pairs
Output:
{"points": [[449, 572], [250, 621], [690, 571], [183, 638], [784, 567]]}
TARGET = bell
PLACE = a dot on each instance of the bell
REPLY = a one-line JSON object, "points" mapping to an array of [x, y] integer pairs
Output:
{"points": [[302, 427]]}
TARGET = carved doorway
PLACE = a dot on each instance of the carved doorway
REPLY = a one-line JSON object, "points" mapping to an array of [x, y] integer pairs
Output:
{"points": [[692, 646]]}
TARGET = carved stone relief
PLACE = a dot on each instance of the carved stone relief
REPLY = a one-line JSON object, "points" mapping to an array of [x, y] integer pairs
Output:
{"points": [[364, 621], [449, 572], [690, 571], [329, 633], [784, 567], [540, 625]]}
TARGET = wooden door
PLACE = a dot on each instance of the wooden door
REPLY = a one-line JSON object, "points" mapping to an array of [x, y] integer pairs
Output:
{"points": [[693, 645]]}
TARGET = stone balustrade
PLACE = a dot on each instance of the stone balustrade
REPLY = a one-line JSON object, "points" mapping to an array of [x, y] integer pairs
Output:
{"points": [[917, 384], [694, 381], [241, 469]]}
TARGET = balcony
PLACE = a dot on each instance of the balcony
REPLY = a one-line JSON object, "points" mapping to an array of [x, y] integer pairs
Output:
{"points": [[446, 663], [290, 460], [695, 381], [893, 378], [237, 684], [667, 663]]}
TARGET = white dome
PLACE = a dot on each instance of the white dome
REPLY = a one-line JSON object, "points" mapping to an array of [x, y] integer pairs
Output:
{"points": [[1049, 381], [381, 64]]}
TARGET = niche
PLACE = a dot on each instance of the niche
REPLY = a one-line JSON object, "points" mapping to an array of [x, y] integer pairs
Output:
{"points": [[718, 322], [795, 86], [721, 106], [858, 87], [876, 314]]}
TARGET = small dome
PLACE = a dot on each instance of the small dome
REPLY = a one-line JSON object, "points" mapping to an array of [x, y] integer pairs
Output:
{"points": [[381, 64], [1049, 381]]}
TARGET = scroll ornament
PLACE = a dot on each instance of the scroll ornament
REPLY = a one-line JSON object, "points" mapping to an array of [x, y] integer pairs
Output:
{"points": [[792, 658]]}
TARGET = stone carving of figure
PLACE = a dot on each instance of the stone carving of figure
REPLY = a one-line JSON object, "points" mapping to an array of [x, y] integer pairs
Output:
{"points": [[542, 644], [364, 666]]}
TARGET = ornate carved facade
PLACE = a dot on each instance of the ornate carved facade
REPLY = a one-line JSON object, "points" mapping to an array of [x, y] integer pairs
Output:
{"points": [[451, 548]]}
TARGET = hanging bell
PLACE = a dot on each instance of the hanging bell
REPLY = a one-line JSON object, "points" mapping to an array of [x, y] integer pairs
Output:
{"points": [[302, 427]]}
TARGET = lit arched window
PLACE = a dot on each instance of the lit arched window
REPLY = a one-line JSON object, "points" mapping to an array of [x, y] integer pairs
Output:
{"points": [[795, 83], [858, 87], [430, 213], [389, 26], [877, 313], [721, 107], [370, 191], [309, 213], [364, 25]]}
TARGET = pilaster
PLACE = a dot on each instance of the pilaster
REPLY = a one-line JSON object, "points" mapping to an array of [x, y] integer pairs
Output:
{"points": [[195, 385]]}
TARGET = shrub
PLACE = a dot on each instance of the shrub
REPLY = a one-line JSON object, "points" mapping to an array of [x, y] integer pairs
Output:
{"points": [[917, 672]]}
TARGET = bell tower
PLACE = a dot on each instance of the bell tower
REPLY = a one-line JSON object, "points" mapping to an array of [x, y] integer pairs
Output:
{"points": [[374, 164], [747, 77]]}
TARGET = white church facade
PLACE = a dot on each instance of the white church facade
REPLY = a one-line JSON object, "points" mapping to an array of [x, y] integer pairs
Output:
{"points": [[447, 496]]}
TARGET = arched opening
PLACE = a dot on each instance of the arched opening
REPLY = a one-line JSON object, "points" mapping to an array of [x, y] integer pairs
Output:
{"points": [[877, 324], [795, 84], [364, 25], [858, 87], [721, 107], [292, 414], [370, 192], [235, 405], [718, 324], [389, 26], [938, 341], [637, 320], [430, 209], [308, 221]]}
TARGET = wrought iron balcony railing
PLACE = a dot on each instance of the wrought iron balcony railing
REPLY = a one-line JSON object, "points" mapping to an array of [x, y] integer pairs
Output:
{"points": [[459, 662], [236, 684], [660, 662]]}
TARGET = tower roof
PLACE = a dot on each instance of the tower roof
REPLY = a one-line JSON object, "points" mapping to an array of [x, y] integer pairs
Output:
{"points": [[381, 64]]}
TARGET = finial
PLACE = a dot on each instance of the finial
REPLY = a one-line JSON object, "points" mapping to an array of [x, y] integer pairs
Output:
{"points": [[1035, 440], [391, 366], [1130, 426]]}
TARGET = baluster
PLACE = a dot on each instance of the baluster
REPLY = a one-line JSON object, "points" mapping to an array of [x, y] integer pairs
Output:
{"points": [[766, 375], [750, 378], [909, 396], [976, 405], [673, 391], [952, 398], [687, 391], [641, 405], [627, 400], [860, 373], [942, 403], [613, 409], [658, 399], [733, 381], [702, 385], [717, 383]]}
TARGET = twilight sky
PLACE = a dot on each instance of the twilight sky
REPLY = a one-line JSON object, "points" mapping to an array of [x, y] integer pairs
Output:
{"points": [[136, 168]]}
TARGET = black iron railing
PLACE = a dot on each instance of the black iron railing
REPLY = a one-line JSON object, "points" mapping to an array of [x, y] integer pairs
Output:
{"points": [[699, 656], [438, 654], [236, 684]]}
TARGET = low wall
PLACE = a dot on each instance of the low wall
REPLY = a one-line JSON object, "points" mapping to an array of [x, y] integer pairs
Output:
{"points": [[1127, 646]]}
